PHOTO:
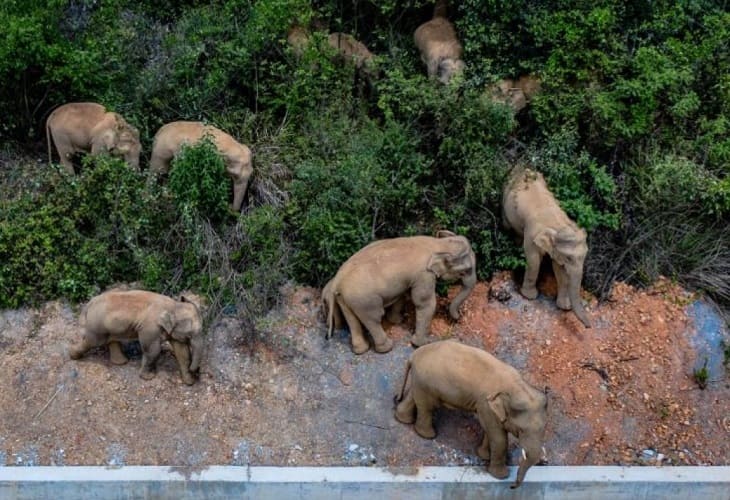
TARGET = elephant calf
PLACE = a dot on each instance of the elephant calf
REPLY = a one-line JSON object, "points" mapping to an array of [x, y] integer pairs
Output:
{"points": [[440, 48], [237, 157], [79, 127], [150, 317], [531, 210], [457, 376], [379, 275]]}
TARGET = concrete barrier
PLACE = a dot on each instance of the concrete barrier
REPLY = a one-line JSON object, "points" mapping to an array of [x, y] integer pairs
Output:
{"points": [[372, 483]]}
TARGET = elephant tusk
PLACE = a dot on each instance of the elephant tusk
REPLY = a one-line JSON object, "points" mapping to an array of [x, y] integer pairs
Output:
{"points": [[544, 453], [524, 455]]}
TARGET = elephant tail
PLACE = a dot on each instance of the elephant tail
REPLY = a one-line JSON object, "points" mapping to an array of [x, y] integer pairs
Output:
{"points": [[48, 141], [328, 297], [399, 397]]}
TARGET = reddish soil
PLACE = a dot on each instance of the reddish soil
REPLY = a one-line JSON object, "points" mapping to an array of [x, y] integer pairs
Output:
{"points": [[622, 392]]}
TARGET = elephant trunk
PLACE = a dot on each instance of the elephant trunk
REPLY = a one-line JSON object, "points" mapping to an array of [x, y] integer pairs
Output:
{"points": [[528, 460], [576, 302], [196, 348], [468, 283]]}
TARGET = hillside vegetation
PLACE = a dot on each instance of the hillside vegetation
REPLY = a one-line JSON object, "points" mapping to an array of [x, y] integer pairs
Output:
{"points": [[631, 129]]}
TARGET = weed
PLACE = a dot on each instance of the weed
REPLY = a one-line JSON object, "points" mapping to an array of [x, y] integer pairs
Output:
{"points": [[701, 376]]}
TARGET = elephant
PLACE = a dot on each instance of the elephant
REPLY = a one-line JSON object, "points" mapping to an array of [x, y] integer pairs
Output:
{"points": [[440, 48], [515, 93], [118, 315], [379, 275], [351, 49], [457, 376], [347, 47], [237, 157], [78, 127], [531, 210]]}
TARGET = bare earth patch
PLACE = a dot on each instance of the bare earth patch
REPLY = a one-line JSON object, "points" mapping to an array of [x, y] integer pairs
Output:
{"points": [[622, 392]]}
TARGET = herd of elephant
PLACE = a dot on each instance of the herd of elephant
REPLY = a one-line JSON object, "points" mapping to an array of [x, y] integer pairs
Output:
{"points": [[372, 284]]}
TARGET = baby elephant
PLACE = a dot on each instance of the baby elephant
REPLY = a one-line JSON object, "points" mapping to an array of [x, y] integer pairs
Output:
{"points": [[457, 376], [150, 317]]}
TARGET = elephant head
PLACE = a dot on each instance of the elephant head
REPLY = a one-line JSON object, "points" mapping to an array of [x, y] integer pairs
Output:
{"points": [[121, 139], [455, 262], [567, 248], [523, 412], [184, 324]]}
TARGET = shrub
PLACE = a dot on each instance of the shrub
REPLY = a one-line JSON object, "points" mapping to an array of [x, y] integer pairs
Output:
{"points": [[198, 180]]}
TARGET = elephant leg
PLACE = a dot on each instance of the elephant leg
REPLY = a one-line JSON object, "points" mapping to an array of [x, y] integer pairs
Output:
{"points": [[370, 310], [239, 191], [405, 412], [529, 284], [483, 450], [381, 341], [116, 356], [357, 336], [150, 353], [497, 442], [424, 414], [182, 355], [424, 298], [88, 341], [563, 300], [395, 311]]}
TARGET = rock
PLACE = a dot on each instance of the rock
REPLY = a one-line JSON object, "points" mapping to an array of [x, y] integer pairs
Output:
{"points": [[352, 447]]}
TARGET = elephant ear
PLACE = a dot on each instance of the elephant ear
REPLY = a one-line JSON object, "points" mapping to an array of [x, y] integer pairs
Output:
{"points": [[499, 406], [438, 263], [166, 322], [545, 241]]}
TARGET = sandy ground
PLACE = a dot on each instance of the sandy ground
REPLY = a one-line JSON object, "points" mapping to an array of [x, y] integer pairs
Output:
{"points": [[622, 392]]}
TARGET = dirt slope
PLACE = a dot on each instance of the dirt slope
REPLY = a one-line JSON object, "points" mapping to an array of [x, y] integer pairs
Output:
{"points": [[620, 393]]}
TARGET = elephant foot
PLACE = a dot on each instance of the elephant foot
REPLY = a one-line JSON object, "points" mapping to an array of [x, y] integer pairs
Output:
{"points": [[384, 346], [116, 356], [499, 471], [563, 303], [147, 374], [483, 452], [529, 292], [419, 341], [404, 417], [426, 432], [360, 348], [187, 379], [75, 353]]}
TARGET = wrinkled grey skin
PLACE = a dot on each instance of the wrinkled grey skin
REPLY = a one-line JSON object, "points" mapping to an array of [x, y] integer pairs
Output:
{"points": [[453, 375], [530, 209]]}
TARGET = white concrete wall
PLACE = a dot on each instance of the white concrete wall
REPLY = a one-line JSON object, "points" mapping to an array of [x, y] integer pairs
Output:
{"points": [[371, 483]]}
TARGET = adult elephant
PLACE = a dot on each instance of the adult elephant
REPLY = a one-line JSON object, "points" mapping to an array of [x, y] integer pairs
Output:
{"points": [[149, 317], [378, 276], [531, 210], [79, 127], [454, 375], [237, 157]]}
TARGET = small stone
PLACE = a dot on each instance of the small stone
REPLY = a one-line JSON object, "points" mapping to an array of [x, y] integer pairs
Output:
{"points": [[352, 447]]}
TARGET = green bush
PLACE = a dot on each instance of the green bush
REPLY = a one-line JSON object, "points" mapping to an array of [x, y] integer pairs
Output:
{"points": [[76, 234], [198, 180]]}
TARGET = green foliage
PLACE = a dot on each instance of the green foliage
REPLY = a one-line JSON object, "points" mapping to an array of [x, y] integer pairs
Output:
{"points": [[631, 129], [198, 180], [76, 233], [701, 375]]}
